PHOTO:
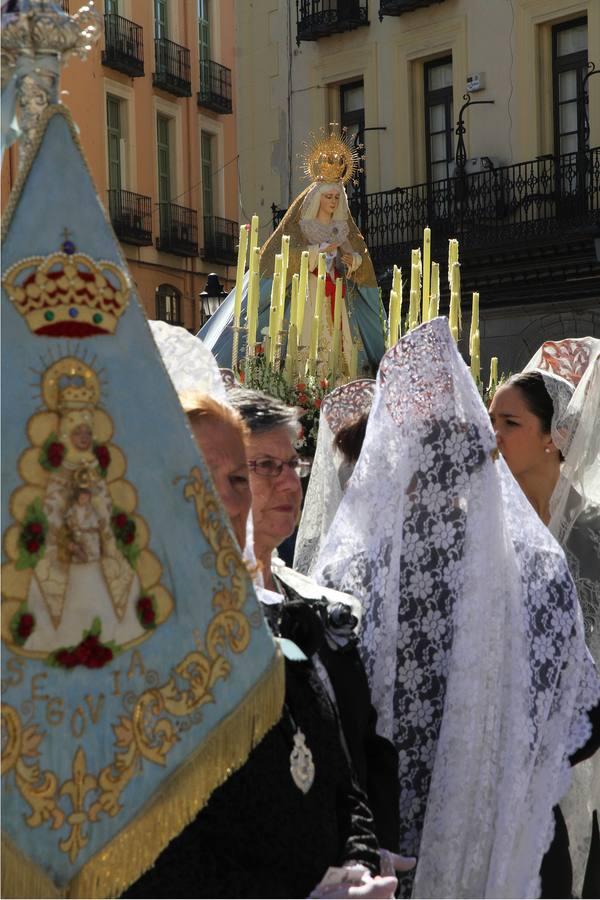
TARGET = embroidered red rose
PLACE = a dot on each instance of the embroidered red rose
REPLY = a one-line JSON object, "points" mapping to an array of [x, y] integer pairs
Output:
{"points": [[146, 612], [129, 536], [103, 456], [301, 386], [35, 529], [120, 520], [302, 399], [148, 616], [66, 658], [55, 454], [32, 546], [25, 626]]}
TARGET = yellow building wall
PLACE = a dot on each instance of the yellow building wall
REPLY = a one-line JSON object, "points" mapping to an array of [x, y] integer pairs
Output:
{"points": [[84, 86], [507, 42]]}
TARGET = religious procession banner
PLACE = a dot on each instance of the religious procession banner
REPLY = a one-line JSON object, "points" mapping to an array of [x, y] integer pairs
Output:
{"points": [[137, 671]]}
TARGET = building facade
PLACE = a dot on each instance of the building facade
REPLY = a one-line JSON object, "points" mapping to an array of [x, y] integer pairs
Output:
{"points": [[154, 105], [519, 188]]}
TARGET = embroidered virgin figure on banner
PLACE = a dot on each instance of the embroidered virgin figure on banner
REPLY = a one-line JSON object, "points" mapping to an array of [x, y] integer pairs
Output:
{"points": [[77, 533]]}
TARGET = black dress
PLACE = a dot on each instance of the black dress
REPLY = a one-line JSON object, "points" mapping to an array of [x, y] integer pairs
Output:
{"points": [[259, 835], [374, 758]]}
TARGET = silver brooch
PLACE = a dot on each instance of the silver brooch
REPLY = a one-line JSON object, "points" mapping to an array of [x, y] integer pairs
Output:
{"points": [[302, 766]]}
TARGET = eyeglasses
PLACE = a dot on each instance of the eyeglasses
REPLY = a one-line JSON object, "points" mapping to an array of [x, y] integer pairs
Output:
{"points": [[269, 467]]}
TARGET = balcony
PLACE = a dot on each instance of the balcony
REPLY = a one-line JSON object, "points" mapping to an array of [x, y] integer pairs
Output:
{"points": [[526, 231], [319, 18], [221, 237], [398, 7], [215, 87], [178, 230], [123, 46], [496, 207], [172, 68], [131, 217]]}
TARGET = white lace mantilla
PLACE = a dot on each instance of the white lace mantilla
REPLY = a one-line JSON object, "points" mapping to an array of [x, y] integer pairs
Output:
{"points": [[471, 636]]}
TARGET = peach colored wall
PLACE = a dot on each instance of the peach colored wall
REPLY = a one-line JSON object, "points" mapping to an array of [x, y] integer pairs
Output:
{"points": [[84, 85]]}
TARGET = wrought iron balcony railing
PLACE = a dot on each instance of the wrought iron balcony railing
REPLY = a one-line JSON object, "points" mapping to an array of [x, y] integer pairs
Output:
{"points": [[178, 229], [215, 87], [220, 239], [131, 217], [493, 209], [123, 45], [398, 7], [496, 207], [319, 18], [172, 68]]}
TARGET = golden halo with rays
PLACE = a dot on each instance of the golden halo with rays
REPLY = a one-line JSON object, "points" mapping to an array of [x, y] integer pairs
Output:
{"points": [[71, 367], [331, 157]]}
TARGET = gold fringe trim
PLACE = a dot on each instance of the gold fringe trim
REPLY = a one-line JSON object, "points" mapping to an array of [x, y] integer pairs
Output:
{"points": [[134, 849]]}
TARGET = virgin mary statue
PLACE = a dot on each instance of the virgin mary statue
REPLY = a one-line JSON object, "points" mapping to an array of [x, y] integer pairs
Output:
{"points": [[319, 221]]}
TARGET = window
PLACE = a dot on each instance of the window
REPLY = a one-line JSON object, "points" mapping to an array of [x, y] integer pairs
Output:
{"points": [[352, 106], [208, 200], [114, 116], [204, 41], [168, 304], [163, 143], [161, 19], [569, 63], [439, 125]]}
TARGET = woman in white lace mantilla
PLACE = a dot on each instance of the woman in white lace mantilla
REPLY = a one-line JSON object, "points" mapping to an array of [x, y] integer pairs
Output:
{"points": [[548, 424], [470, 634]]}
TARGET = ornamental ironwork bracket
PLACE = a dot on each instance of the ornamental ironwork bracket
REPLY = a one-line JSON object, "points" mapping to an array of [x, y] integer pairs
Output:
{"points": [[586, 121], [461, 152]]}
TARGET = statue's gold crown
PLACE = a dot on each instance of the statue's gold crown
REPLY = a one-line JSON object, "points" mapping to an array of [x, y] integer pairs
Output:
{"points": [[73, 397], [68, 294], [330, 158]]}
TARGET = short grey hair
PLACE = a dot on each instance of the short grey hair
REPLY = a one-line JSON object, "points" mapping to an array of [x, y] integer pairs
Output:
{"points": [[262, 413]]}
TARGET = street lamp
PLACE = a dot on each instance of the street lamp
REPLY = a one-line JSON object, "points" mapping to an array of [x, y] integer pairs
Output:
{"points": [[211, 298]]}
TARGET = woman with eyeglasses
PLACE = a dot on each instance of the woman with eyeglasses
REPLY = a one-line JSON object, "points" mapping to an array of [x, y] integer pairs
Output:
{"points": [[320, 620]]}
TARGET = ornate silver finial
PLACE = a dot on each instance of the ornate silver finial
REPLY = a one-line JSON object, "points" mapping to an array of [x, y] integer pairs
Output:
{"points": [[37, 38]]}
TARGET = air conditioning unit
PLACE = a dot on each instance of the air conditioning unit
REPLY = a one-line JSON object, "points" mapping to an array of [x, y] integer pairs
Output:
{"points": [[476, 164]]}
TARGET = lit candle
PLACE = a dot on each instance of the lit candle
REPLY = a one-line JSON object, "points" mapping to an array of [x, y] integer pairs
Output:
{"points": [[454, 299], [337, 330], [322, 269], [394, 319], [274, 312], [474, 321], [239, 286], [476, 357], [253, 294], [426, 273], [314, 334], [413, 311], [434, 302], [415, 283], [294, 300], [397, 280], [452, 258], [302, 290], [493, 373], [291, 356], [285, 255], [253, 254]]}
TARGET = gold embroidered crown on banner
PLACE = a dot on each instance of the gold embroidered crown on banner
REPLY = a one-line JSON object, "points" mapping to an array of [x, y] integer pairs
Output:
{"points": [[332, 157], [68, 294]]}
